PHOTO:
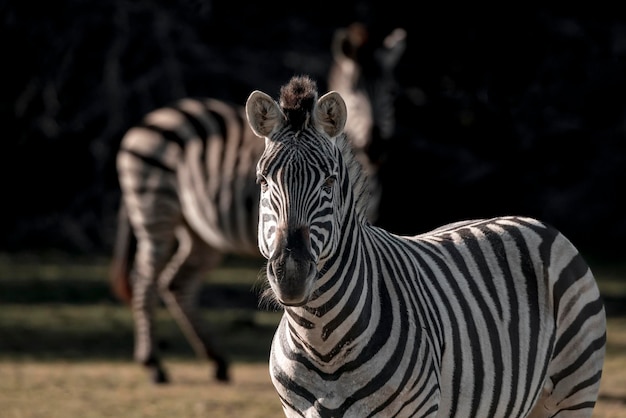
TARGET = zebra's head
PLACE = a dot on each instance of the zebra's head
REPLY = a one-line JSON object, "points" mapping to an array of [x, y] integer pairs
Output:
{"points": [[363, 72], [304, 184]]}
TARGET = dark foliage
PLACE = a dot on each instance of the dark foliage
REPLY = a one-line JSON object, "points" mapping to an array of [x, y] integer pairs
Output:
{"points": [[506, 112]]}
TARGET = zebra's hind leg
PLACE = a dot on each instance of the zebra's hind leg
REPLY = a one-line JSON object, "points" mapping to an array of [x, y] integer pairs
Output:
{"points": [[575, 370], [151, 257], [157, 372], [179, 286]]}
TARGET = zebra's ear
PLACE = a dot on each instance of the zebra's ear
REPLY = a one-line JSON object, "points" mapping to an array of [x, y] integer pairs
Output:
{"points": [[346, 42], [331, 113], [263, 113], [394, 46]]}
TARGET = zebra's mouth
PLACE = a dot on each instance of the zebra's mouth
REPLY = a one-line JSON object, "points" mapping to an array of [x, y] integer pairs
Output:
{"points": [[293, 305]]}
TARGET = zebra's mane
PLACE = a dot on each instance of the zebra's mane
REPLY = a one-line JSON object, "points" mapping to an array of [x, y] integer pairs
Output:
{"points": [[297, 99], [358, 177]]}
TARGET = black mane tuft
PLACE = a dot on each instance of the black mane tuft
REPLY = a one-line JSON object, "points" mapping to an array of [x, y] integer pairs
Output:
{"points": [[297, 99]]}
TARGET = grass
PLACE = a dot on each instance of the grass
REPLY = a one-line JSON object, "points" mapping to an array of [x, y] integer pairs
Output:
{"points": [[66, 346], [105, 389]]}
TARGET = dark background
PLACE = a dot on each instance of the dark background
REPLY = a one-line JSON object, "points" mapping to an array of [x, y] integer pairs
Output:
{"points": [[516, 111]]}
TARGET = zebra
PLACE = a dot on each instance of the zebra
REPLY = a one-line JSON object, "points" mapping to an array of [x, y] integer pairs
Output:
{"points": [[363, 72], [187, 175], [182, 171], [496, 317]]}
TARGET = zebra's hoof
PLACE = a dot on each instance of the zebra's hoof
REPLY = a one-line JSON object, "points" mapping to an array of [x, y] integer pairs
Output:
{"points": [[159, 377], [221, 374]]}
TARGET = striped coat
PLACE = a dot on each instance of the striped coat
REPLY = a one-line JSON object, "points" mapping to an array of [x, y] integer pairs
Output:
{"points": [[187, 175], [494, 317]]}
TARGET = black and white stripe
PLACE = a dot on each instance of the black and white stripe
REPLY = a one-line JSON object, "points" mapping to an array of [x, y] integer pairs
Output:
{"points": [[494, 317], [187, 179], [363, 72], [187, 175]]}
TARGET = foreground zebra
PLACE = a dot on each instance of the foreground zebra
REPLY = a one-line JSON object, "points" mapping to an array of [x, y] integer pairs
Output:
{"points": [[484, 318], [187, 175]]}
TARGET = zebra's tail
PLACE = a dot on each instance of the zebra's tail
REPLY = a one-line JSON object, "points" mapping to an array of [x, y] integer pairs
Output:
{"points": [[124, 247]]}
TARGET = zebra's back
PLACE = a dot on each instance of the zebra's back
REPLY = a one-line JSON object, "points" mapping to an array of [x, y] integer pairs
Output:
{"points": [[197, 158], [187, 174], [516, 317]]}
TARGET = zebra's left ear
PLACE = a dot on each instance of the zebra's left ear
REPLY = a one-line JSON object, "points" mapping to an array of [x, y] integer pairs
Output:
{"points": [[263, 114], [331, 113]]}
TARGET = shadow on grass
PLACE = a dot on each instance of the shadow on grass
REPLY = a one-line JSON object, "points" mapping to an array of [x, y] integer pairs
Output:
{"points": [[75, 319], [614, 305], [52, 332], [612, 398], [82, 292]]}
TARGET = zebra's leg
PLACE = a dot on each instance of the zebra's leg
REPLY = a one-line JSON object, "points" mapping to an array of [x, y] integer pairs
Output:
{"points": [[573, 389], [152, 256], [179, 286], [574, 373]]}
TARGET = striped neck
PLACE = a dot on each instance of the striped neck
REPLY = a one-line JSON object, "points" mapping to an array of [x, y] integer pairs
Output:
{"points": [[337, 322]]}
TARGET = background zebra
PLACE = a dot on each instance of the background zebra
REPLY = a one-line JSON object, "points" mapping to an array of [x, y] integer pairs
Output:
{"points": [[493, 317], [363, 72], [187, 175]]}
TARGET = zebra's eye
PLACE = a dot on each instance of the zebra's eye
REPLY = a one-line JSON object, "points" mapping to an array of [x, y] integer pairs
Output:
{"points": [[261, 181], [329, 183]]}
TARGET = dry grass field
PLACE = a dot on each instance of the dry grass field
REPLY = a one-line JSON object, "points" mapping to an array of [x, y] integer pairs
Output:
{"points": [[106, 389], [65, 349], [112, 389]]}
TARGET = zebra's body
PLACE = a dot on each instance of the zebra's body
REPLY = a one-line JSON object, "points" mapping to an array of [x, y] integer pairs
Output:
{"points": [[187, 175], [492, 317], [187, 180]]}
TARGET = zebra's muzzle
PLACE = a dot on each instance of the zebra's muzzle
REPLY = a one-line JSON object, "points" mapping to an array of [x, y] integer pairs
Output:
{"points": [[292, 270], [292, 284]]}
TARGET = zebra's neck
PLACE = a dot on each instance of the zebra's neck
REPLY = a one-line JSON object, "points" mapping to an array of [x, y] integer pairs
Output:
{"points": [[338, 322]]}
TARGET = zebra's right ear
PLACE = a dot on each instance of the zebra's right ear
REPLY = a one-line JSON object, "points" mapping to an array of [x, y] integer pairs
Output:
{"points": [[263, 114]]}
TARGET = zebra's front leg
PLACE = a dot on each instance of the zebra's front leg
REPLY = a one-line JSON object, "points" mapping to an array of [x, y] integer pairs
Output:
{"points": [[179, 286]]}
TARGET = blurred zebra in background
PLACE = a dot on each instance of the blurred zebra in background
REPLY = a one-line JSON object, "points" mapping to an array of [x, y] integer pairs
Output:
{"points": [[494, 317], [363, 73], [187, 175], [188, 197]]}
